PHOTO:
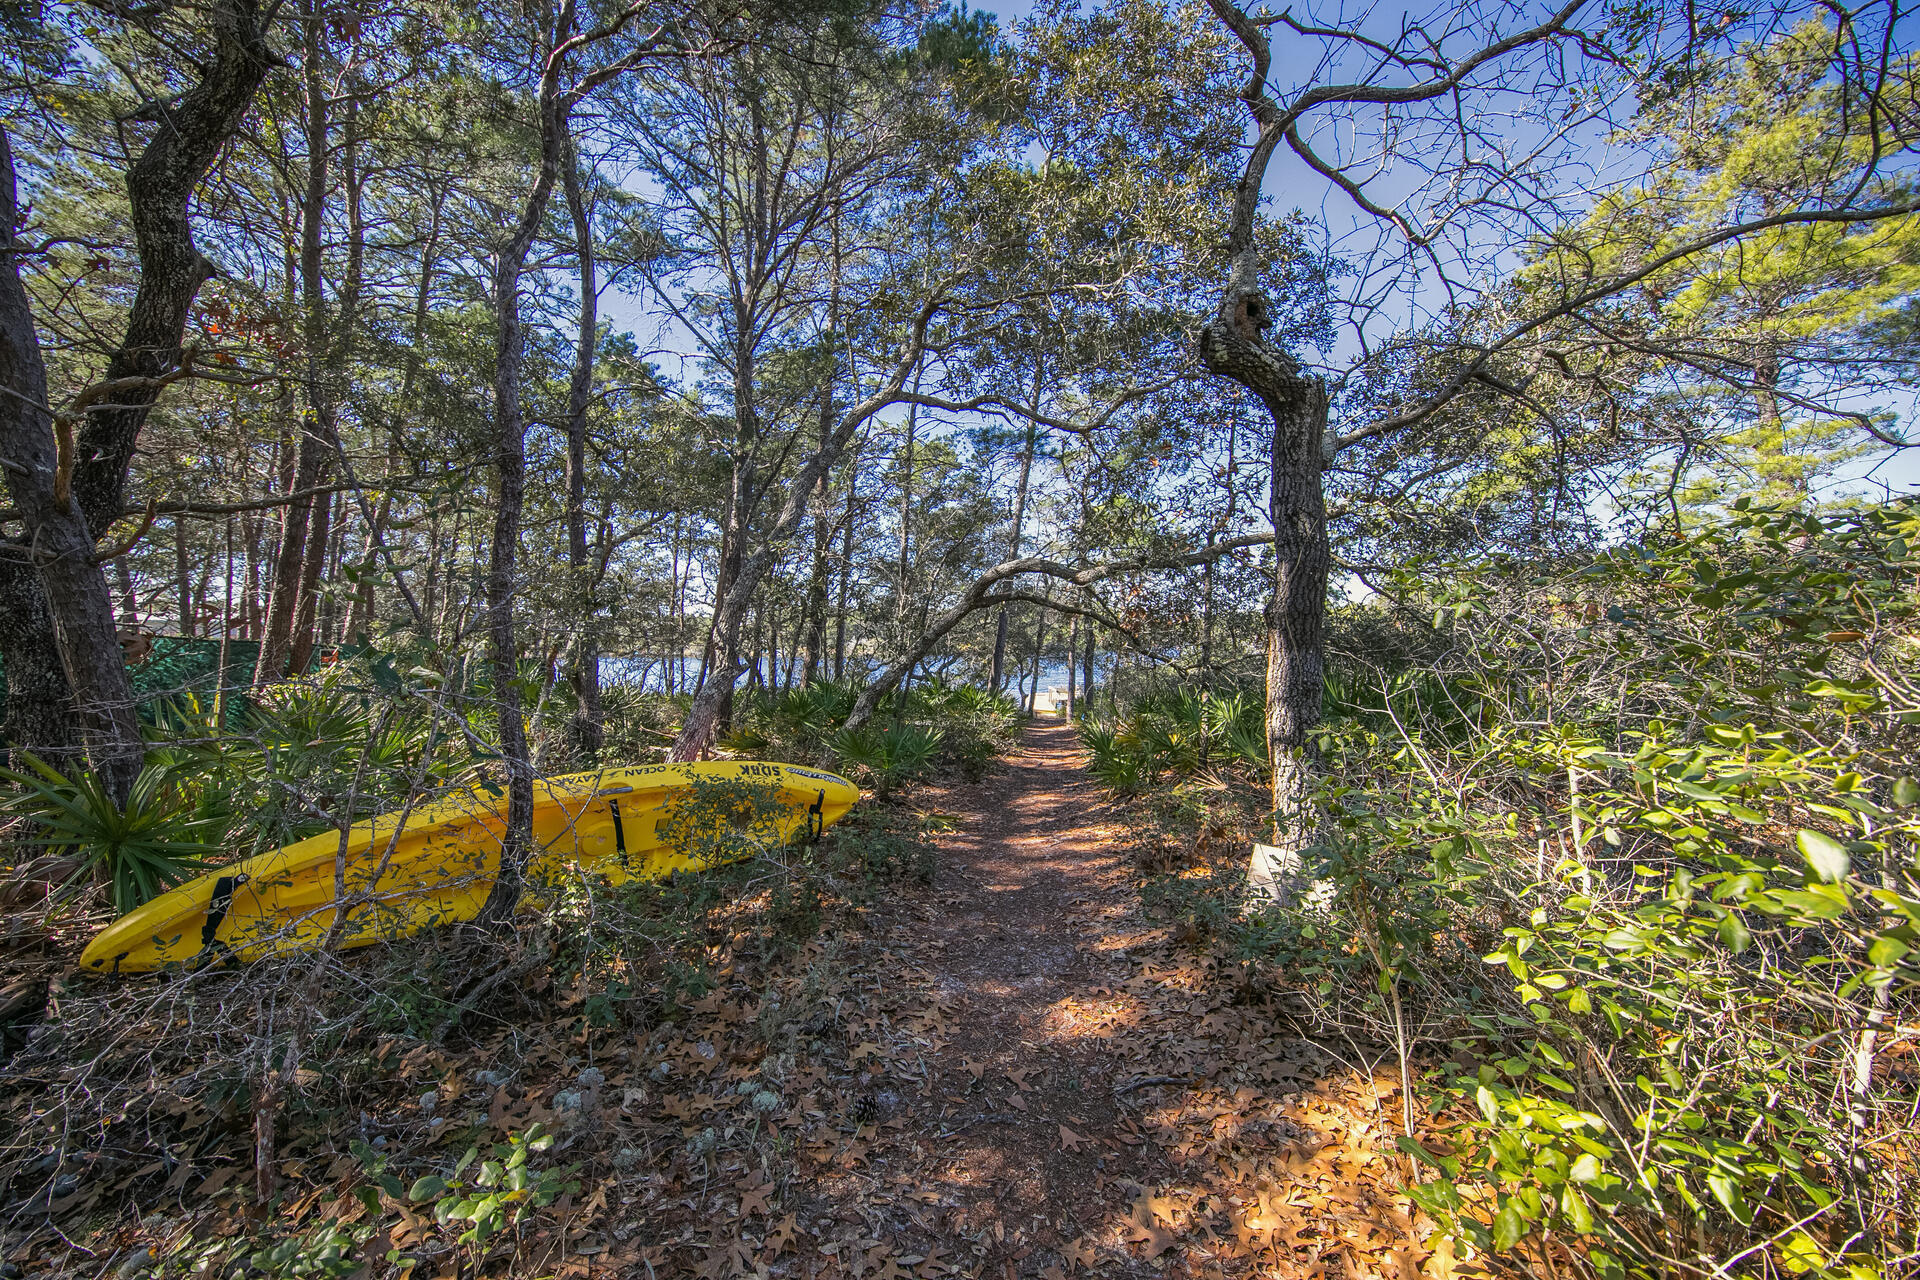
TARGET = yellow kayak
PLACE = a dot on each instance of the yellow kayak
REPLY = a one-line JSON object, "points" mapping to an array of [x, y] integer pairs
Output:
{"points": [[439, 866]]}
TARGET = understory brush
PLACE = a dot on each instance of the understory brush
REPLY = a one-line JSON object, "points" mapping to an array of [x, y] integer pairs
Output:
{"points": [[1622, 863], [254, 1092], [1175, 734], [933, 725]]}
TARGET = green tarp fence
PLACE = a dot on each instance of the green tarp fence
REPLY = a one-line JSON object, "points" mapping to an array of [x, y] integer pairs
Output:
{"points": [[183, 664]]}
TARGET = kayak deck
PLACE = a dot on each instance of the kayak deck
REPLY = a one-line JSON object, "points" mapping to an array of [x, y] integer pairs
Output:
{"points": [[435, 864]]}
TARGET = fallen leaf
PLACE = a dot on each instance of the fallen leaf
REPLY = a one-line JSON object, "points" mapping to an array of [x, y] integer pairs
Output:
{"points": [[1156, 1240], [1069, 1140], [753, 1198]]}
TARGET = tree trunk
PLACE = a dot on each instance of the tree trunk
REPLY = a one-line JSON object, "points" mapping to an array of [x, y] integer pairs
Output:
{"points": [[816, 610], [1232, 346], [586, 731], [183, 575], [172, 269], [846, 578], [1086, 680], [906, 531], [510, 482], [39, 699], [1206, 620], [1014, 541], [1039, 659], [1073, 650], [320, 541], [74, 596], [304, 531], [159, 185], [289, 562]]}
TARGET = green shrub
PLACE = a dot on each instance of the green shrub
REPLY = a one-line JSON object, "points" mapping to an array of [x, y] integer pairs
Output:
{"points": [[1639, 855], [719, 820], [1177, 733], [887, 758], [975, 725], [874, 844], [640, 727], [137, 850]]}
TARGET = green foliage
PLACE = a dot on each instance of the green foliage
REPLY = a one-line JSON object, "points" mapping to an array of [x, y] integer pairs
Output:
{"points": [[975, 725], [1177, 733], [966, 725], [482, 1194], [721, 820], [1647, 866], [328, 1250], [877, 844], [640, 726], [888, 758], [138, 850], [310, 753]]}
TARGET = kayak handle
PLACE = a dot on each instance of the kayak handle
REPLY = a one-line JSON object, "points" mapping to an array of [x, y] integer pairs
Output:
{"points": [[217, 908], [817, 818]]}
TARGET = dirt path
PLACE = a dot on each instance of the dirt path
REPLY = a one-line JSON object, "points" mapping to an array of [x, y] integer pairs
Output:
{"points": [[1068, 1093], [1011, 1074]]}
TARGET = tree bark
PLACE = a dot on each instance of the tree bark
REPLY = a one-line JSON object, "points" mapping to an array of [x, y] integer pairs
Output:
{"points": [[303, 536], [905, 547], [842, 604], [59, 544], [1232, 346], [1086, 675], [587, 730], [320, 541], [39, 698], [1073, 653], [183, 575], [194, 128], [1039, 659]]}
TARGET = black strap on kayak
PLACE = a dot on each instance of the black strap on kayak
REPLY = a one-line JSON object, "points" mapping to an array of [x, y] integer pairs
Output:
{"points": [[217, 908], [619, 831], [817, 818]]}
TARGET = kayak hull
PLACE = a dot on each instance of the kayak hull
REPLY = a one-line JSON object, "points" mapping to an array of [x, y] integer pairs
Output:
{"points": [[435, 864]]}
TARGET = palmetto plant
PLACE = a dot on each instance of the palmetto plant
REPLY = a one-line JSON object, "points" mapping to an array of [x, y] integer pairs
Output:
{"points": [[1176, 732], [138, 850], [1236, 728], [1119, 764], [888, 757]]}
